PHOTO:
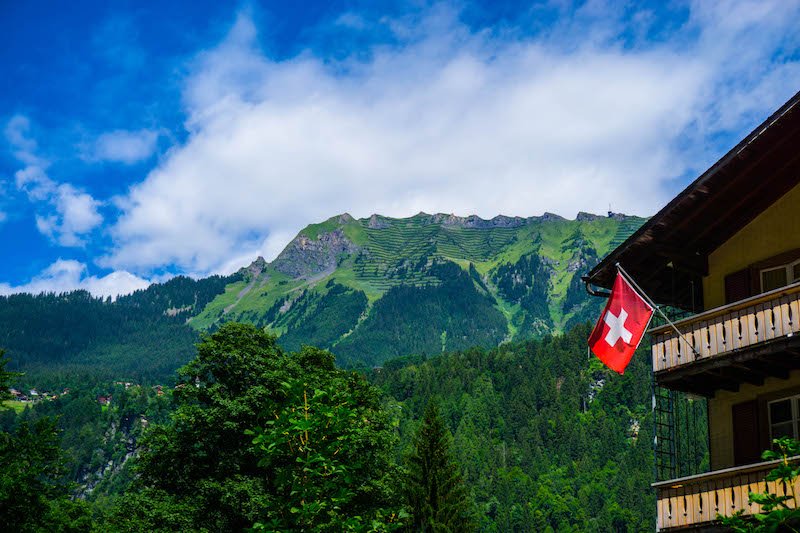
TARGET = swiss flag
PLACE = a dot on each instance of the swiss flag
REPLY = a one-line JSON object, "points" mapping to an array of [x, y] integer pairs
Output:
{"points": [[619, 331]]}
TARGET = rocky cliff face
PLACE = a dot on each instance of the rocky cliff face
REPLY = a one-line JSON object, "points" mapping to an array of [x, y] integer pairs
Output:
{"points": [[305, 257], [379, 287], [254, 269]]}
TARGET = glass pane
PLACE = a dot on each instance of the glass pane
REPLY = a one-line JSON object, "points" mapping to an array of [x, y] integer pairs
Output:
{"points": [[796, 272], [772, 279], [783, 430], [780, 411]]}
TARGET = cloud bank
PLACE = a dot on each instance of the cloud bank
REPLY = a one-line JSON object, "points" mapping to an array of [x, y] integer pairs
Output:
{"points": [[68, 275], [448, 120], [125, 146], [66, 214]]}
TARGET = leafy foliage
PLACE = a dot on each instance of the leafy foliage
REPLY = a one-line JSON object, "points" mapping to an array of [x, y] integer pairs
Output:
{"points": [[33, 494], [778, 513], [327, 447], [223, 479]]}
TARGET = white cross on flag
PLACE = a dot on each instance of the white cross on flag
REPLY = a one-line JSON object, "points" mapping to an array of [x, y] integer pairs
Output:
{"points": [[619, 331]]}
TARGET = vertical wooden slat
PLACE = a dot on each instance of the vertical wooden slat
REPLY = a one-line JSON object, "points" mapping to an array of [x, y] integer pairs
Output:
{"points": [[673, 499], [716, 336], [744, 317], [753, 327], [761, 322], [690, 516], [663, 352], [777, 309], [786, 327], [793, 311], [660, 524], [700, 338], [717, 498], [694, 513], [654, 352], [669, 509], [740, 492], [674, 360], [701, 501], [769, 321], [711, 340], [755, 484], [698, 501], [725, 337], [719, 335]]}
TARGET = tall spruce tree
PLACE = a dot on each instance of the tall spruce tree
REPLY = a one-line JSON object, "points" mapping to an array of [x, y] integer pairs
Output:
{"points": [[436, 492]]}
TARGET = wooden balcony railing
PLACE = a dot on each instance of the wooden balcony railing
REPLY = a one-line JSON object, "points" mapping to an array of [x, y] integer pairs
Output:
{"points": [[697, 500], [725, 329]]}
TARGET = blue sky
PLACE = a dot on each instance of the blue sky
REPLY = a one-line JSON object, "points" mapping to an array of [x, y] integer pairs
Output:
{"points": [[146, 139]]}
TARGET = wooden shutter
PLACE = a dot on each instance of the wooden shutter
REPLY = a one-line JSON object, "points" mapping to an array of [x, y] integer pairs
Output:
{"points": [[738, 286], [746, 441]]}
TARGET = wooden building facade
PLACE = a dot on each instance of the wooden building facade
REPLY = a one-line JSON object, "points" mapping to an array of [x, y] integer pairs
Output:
{"points": [[725, 256]]}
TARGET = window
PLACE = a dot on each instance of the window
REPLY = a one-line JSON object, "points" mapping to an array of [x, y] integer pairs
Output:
{"points": [[780, 276], [783, 417]]}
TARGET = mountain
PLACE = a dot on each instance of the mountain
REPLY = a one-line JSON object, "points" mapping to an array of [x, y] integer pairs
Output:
{"points": [[376, 288], [369, 290], [141, 336]]}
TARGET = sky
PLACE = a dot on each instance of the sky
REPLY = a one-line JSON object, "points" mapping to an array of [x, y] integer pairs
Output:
{"points": [[143, 140]]}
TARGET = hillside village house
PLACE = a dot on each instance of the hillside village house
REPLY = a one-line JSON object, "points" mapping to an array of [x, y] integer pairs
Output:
{"points": [[724, 258]]}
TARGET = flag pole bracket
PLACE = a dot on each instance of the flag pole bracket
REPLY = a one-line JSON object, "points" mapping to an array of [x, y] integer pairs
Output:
{"points": [[591, 291]]}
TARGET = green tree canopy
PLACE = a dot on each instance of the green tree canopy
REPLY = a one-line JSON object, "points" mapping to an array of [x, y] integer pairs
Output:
{"points": [[261, 436], [436, 492], [33, 494]]}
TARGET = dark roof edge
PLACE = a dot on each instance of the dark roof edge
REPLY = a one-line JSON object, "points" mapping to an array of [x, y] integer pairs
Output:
{"points": [[716, 167]]}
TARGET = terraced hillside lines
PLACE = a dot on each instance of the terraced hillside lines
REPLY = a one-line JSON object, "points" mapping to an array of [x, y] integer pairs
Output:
{"points": [[625, 229], [474, 244], [413, 284], [395, 255]]}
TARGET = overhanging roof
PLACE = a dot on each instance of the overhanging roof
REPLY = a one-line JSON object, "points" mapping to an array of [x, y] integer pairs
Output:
{"points": [[670, 251]]}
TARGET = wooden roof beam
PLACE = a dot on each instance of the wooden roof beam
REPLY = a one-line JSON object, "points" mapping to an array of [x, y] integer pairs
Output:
{"points": [[785, 173]]}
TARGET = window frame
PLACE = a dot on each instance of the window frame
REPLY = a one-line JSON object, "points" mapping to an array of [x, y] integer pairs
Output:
{"points": [[788, 269], [794, 406]]}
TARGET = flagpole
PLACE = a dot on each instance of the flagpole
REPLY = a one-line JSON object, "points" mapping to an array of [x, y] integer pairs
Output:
{"points": [[656, 307]]}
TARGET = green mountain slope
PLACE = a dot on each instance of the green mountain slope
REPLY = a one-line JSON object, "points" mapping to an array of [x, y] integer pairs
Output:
{"points": [[379, 287], [141, 336]]}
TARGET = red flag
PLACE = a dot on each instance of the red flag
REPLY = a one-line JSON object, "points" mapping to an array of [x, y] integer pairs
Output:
{"points": [[619, 331]]}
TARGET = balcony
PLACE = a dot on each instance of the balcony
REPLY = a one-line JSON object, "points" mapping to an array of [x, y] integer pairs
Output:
{"points": [[746, 341], [695, 501]]}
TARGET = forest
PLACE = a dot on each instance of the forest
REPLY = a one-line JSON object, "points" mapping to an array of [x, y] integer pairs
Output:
{"points": [[75, 337], [528, 436]]}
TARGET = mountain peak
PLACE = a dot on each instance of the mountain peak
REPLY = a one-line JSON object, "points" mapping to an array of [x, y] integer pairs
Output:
{"points": [[587, 217], [255, 268]]}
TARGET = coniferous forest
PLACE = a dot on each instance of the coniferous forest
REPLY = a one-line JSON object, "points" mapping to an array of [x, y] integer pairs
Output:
{"points": [[530, 436], [409, 390], [366, 266]]}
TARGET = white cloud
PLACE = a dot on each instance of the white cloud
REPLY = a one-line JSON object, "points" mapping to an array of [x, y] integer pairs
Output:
{"points": [[67, 214], [67, 275], [17, 133], [450, 121], [125, 146]]}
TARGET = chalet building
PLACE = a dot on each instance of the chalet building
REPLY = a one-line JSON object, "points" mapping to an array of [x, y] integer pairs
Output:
{"points": [[723, 258]]}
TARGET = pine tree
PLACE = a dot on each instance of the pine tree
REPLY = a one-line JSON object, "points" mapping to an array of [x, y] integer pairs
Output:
{"points": [[436, 492]]}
